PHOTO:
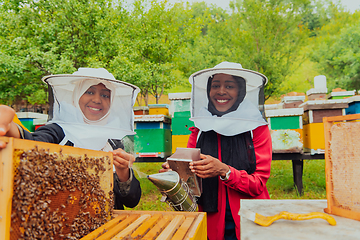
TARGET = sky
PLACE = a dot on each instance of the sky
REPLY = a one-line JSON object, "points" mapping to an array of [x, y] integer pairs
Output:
{"points": [[350, 5]]}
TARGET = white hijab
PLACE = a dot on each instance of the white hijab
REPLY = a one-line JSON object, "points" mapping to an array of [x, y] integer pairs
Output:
{"points": [[118, 121], [81, 87], [245, 118]]}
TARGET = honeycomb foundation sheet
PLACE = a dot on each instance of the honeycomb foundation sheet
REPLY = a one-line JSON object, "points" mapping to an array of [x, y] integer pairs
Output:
{"points": [[345, 165]]}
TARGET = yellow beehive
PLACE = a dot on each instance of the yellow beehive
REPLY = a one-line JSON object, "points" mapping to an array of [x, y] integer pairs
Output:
{"points": [[179, 141], [159, 109], [314, 137], [342, 165], [53, 191], [152, 225]]}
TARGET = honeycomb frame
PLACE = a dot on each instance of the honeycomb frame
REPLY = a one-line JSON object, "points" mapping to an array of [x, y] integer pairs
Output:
{"points": [[342, 165]]}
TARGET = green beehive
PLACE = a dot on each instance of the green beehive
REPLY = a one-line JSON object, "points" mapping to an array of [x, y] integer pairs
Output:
{"points": [[181, 125], [286, 129], [153, 136], [179, 102], [289, 118]]}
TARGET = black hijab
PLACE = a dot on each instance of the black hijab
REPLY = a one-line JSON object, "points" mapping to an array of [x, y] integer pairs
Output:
{"points": [[236, 151]]}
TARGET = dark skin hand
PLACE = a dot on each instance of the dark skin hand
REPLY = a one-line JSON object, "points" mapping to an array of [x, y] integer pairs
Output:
{"points": [[206, 167]]}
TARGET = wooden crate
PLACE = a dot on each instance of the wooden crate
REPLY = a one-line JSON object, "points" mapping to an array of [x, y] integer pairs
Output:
{"points": [[153, 225], [342, 165], [53, 191]]}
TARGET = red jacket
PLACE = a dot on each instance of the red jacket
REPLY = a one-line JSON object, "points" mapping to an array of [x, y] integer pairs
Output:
{"points": [[240, 185]]}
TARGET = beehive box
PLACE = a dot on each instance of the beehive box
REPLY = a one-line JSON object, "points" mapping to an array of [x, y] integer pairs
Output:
{"points": [[159, 109], [292, 101], [179, 141], [50, 191], [181, 123], [141, 110], [153, 225], [313, 127], [341, 94], [342, 165], [354, 105], [179, 102], [286, 129], [153, 136]]}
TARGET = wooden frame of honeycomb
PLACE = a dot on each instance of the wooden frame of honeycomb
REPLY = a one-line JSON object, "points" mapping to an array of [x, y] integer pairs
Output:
{"points": [[342, 165], [49, 191]]}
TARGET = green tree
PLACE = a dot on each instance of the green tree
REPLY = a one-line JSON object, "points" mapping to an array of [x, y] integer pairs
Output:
{"points": [[209, 48], [153, 37], [337, 51], [267, 36], [42, 37]]}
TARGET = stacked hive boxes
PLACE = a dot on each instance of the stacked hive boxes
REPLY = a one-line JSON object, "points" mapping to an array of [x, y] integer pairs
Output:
{"points": [[180, 112], [313, 127], [153, 136], [286, 129], [30, 119]]}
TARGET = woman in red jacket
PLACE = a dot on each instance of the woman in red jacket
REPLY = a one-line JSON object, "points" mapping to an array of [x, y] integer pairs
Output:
{"points": [[235, 143]]}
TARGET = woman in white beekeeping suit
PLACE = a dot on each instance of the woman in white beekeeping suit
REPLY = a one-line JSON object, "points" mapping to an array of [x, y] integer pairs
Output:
{"points": [[88, 109], [235, 144]]}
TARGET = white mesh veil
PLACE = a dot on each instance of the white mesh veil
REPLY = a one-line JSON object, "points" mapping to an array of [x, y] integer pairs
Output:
{"points": [[64, 93], [245, 118]]}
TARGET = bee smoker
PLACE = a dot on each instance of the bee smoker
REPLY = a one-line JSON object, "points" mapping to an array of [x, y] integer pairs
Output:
{"points": [[174, 191]]}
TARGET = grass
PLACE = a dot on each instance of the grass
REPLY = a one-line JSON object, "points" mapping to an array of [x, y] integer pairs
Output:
{"points": [[280, 184]]}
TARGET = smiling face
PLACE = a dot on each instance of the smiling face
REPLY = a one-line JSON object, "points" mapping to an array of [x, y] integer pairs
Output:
{"points": [[223, 92], [95, 102]]}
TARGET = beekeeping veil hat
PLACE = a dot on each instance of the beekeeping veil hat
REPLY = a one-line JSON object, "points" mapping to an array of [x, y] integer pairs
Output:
{"points": [[245, 117], [65, 91]]}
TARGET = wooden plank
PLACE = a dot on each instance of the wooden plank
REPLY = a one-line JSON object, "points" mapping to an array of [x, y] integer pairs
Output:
{"points": [[327, 127], [119, 227], [184, 228], [6, 188], [104, 228], [146, 226], [198, 230], [343, 213], [325, 106], [168, 232], [342, 118], [156, 230], [132, 227]]}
